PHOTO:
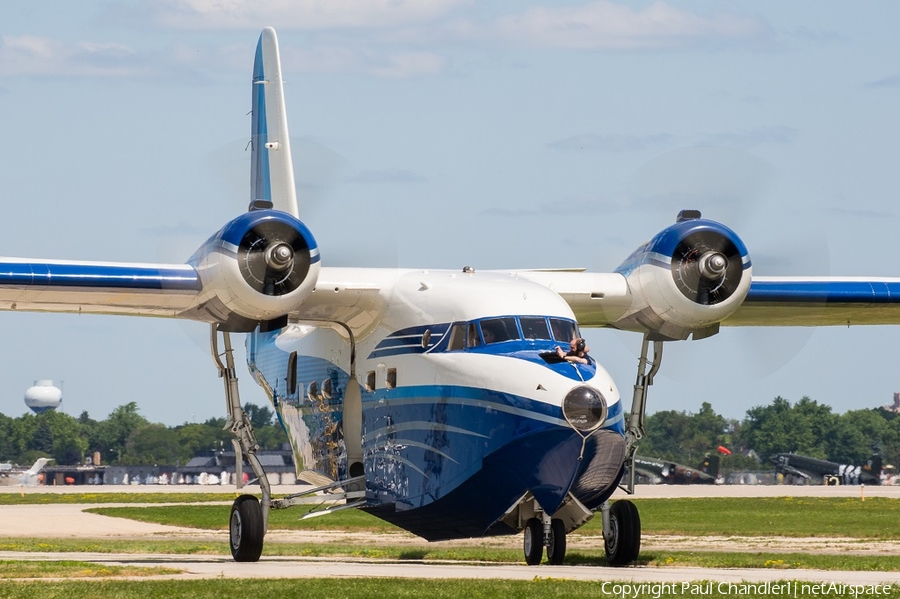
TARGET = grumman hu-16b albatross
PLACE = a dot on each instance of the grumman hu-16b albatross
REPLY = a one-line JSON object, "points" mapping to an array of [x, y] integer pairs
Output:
{"points": [[437, 400]]}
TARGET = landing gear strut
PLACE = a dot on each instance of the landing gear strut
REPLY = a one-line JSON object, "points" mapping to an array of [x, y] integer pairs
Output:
{"points": [[249, 516], [543, 531], [621, 521], [635, 430]]}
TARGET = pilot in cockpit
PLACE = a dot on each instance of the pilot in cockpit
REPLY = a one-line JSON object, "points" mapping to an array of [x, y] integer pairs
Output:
{"points": [[577, 353]]}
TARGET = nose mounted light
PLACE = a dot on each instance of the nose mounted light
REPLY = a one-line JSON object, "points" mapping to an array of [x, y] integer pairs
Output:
{"points": [[584, 408]]}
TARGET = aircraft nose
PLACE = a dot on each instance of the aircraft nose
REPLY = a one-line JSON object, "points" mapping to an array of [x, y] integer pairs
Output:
{"points": [[584, 408]]}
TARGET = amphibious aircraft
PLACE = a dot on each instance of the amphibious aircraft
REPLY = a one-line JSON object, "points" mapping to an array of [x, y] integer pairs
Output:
{"points": [[801, 469], [670, 473], [436, 399]]}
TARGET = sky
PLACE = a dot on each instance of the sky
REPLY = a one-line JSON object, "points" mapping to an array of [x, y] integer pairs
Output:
{"points": [[444, 133]]}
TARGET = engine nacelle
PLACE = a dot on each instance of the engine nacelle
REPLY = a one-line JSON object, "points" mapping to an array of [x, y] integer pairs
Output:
{"points": [[255, 270], [686, 280]]}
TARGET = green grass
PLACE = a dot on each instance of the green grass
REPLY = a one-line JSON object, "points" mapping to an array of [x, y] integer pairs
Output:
{"points": [[473, 553], [114, 545], [387, 588], [215, 517], [874, 518], [776, 561], [27, 498], [74, 569]]}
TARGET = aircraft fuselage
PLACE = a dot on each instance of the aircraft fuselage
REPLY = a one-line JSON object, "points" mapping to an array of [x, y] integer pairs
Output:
{"points": [[454, 393]]}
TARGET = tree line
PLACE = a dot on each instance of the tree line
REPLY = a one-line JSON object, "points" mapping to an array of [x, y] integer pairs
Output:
{"points": [[805, 427], [125, 438]]}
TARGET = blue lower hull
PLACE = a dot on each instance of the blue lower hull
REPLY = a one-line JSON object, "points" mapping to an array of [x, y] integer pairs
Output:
{"points": [[547, 464], [442, 461]]}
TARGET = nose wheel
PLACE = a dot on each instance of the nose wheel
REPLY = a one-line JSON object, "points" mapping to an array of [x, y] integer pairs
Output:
{"points": [[556, 545], [533, 542], [544, 532]]}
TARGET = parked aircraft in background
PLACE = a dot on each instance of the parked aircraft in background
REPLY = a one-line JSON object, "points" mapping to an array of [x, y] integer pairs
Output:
{"points": [[434, 399], [12, 475], [670, 473], [800, 469]]}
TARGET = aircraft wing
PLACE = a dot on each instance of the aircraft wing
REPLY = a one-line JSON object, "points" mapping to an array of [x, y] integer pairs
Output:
{"points": [[254, 270], [97, 287], [612, 299], [793, 471], [819, 301]]}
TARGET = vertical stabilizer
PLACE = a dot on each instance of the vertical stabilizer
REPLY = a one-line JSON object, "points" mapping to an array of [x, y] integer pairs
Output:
{"points": [[271, 169]]}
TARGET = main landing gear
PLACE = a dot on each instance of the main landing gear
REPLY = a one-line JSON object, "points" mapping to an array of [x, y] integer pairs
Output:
{"points": [[249, 516], [621, 532], [621, 521], [246, 529]]}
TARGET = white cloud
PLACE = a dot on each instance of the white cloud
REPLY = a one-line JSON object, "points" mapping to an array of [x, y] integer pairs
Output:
{"points": [[33, 55], [295, 14], [605, 25], [348, 59]]}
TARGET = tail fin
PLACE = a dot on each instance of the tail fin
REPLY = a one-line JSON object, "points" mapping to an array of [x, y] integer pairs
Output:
{"points": [[37, 467], [874, 465], [710, 465], [271, 169]]}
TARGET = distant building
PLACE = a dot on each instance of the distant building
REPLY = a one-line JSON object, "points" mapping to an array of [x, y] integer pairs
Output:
{"points": [[895, 407]]}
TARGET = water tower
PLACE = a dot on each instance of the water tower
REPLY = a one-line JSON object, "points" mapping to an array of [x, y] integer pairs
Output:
{"points": [[43, 396]]}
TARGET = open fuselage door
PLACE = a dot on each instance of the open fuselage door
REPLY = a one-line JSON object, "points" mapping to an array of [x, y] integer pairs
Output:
{"points": [[308, 372]]}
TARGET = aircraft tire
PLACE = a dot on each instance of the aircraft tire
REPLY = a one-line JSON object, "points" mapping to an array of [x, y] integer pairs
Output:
{"points": [[625, 544], [556, 550], [534, 542], [246, 529]]}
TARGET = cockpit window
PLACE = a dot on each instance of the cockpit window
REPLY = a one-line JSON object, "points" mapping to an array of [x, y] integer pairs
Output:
{"points": [[457, 337], [534, 327], [563, 330], [473, 340], [495, 330]]}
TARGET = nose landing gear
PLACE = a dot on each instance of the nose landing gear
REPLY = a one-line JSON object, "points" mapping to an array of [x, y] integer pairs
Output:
{"points": [[545, 532]]}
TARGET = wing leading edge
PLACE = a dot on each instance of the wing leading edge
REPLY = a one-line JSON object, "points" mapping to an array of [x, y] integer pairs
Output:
{"points": [[602, 299], [97, 287], [819, 301]]}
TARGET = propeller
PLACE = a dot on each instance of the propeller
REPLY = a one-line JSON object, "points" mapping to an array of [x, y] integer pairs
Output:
{"points": [[273, 259], [707, 268], [749, 195]]}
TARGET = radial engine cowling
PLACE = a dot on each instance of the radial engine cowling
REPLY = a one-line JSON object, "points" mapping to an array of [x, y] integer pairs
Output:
{"points": [[686, 280], [255, 270]]}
